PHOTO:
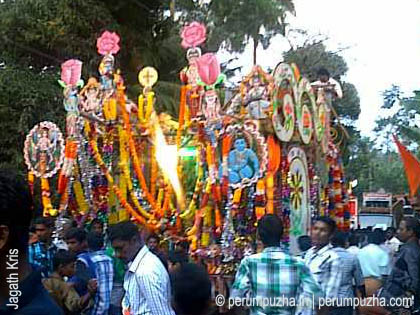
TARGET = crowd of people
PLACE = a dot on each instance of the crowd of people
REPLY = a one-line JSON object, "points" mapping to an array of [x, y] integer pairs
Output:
{"points": [[121, 269]]}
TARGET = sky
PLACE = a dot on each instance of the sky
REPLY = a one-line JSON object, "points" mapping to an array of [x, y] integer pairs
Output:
{"points": [[383, 40]]}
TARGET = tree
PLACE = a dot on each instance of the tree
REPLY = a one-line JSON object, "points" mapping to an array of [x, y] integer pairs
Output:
{"points": [[405, 111], [375, 169], [234, 23], [26, 98], [36, 36]]}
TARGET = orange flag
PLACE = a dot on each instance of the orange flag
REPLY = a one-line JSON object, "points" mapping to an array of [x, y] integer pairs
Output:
{"points": [[411, 165]]}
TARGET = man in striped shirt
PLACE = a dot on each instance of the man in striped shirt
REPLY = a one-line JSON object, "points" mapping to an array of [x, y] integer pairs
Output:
{"points": [[146, 283], [274, 275], [101, 268]]}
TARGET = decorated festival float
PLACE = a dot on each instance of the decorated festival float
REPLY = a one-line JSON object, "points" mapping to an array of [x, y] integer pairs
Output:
{"points": [[205, 176]]}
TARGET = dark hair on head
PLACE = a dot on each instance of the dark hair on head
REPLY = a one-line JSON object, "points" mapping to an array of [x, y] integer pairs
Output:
{"points": [[177, 257], [270, 230], [32, 229], [15, 208], [48, 222], [323, 71], [124, 231], [391, 229], [95, 241], [375, 237], [381, 233], [184, 246], [78, 234], [63, 257], [328, 221], [413, 225], [153, 236], [353, 239], [304, 242], [339, 239], [192, 290], [96, 221]]}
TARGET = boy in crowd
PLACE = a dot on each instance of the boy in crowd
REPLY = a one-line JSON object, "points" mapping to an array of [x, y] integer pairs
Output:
{"points": [[64, 293]]}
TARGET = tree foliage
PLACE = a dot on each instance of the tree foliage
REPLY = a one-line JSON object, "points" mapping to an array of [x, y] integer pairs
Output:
{"points": [[403, 119], [234, 23], [36, 36], [375, 169]]}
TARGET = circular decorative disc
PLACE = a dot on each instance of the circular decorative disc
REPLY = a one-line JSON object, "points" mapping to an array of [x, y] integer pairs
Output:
{"points": [[298, 181], [44, 149], [305, 125], [284, 131], [148, 76]]}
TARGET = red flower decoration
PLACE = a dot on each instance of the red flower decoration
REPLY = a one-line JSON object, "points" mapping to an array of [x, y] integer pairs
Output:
{"points": [[208, 68], [71, 71], [193, 35], [108, 43]]}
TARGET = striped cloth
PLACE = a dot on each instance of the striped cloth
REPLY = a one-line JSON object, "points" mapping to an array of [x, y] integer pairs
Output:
{"points": [[102, 269], [147, 286]]}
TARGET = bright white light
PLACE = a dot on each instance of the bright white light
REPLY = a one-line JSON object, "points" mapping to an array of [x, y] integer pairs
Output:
{"points": [[167, 158]]}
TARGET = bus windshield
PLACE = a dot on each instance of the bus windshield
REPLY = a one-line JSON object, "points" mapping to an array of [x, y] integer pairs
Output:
{"points": [[375, 221]]}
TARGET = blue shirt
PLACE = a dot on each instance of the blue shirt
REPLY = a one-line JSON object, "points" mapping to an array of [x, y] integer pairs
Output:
{"points": [[41, 257], [34, 299], [101, 268]]}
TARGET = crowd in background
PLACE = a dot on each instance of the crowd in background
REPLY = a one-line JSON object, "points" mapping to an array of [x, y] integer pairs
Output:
{"points": [[64, 268]]}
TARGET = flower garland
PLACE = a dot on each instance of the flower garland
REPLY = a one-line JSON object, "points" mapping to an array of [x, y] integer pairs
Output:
{"points": [[31, 179], [133, 151], [124, 166], [46, 201], [123, 201]]}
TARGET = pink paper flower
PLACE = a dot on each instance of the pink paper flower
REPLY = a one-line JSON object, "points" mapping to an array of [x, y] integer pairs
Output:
{"points": [[193, 35], [208, 68], [71, 71], [108, 43]]}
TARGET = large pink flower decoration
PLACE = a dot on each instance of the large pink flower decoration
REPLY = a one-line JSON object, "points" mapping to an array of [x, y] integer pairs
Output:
{"points": [[108, 43], [71, 71], [208, 68], [193, 35]]}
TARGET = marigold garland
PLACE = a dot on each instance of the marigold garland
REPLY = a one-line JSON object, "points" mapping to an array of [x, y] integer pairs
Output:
{"points": [[117, 191], [133, 152]]}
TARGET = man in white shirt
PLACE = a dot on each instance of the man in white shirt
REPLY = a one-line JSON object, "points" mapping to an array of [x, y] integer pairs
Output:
{"points": [[146, 283], [331, 87], [392, 242], [324, 263], [353, 244], [375, 263]]}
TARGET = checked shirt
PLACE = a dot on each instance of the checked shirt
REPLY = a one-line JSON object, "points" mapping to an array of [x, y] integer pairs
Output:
{"points": [[274, 274], [41, 257]]}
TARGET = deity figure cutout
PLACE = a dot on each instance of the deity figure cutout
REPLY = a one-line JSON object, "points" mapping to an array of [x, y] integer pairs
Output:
{"points": [[258, 97], [90, 102], [106, 69], [70, 82], [211, 106], [44, 147], [243, 163], [195, 94]]}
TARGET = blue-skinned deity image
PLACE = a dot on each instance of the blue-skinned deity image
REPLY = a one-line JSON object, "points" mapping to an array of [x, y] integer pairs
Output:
{"points": [[242, 162]]}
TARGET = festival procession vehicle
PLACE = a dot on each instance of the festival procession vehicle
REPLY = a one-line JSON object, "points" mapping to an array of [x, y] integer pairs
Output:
{"points": [[205, 176]]}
